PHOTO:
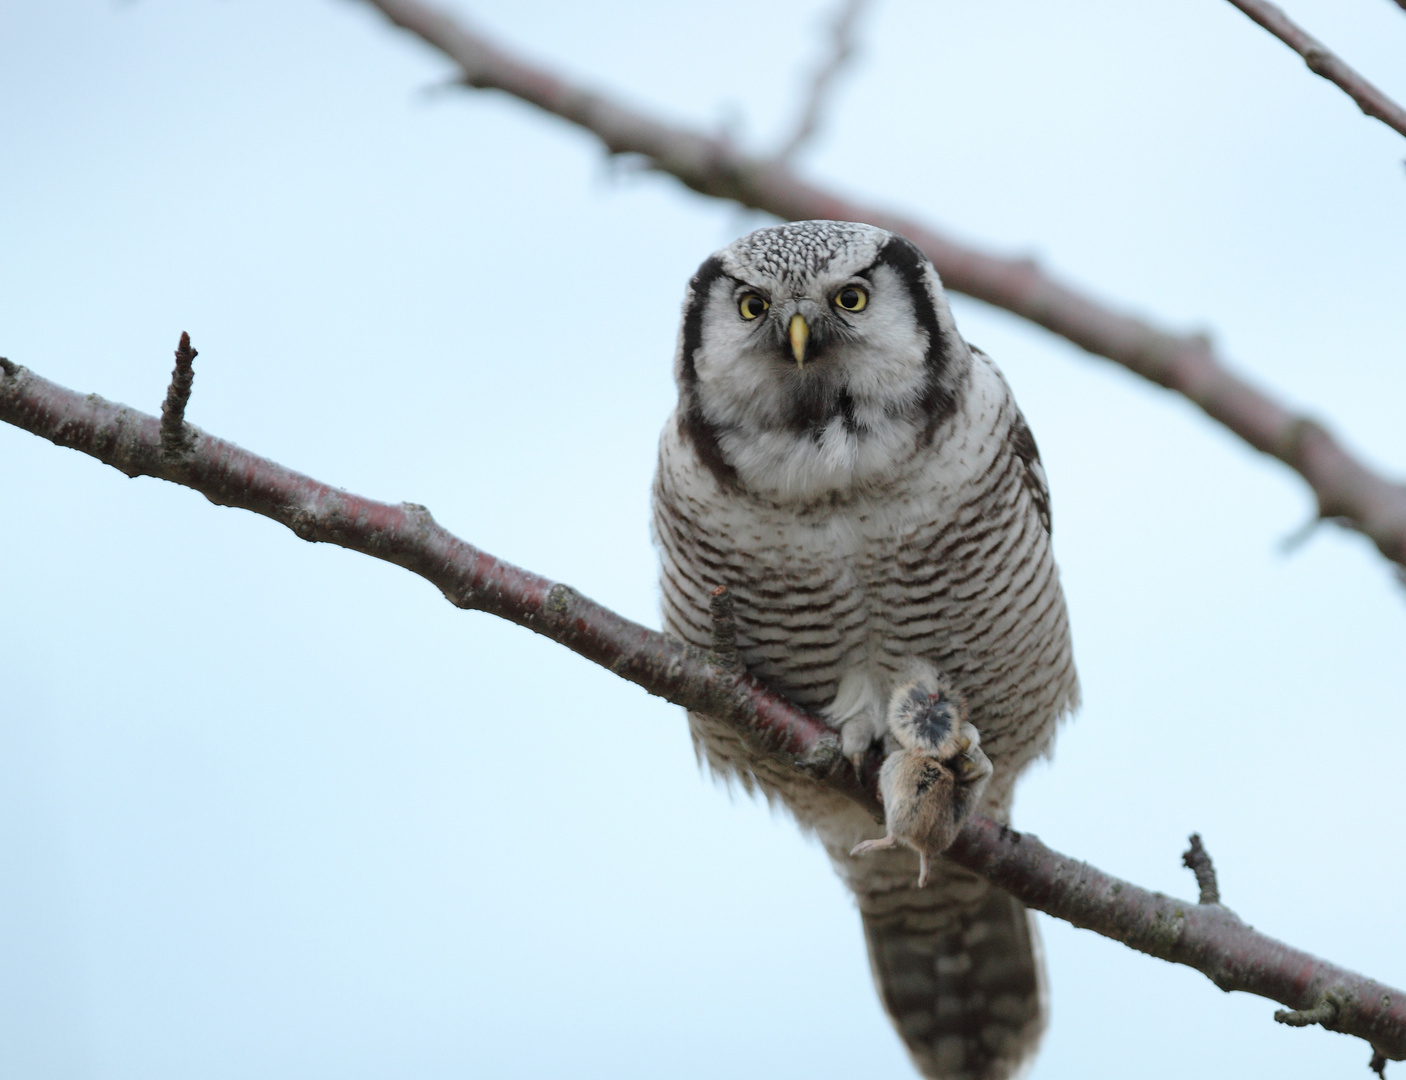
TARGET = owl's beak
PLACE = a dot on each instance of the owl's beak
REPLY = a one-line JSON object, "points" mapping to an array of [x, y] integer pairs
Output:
{"points": [[800, 334]]}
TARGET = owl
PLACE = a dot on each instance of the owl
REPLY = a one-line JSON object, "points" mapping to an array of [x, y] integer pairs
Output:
{"points": [[861, 480]]}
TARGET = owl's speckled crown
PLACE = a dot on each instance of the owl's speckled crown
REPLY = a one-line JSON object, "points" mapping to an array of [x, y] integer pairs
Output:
{"points": [[801, 249]]}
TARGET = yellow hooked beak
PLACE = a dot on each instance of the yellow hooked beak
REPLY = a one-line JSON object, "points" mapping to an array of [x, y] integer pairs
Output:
{"points": [[800, 334]]}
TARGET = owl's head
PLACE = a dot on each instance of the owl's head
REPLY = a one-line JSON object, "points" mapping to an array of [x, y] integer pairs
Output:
{"points": [[815, 356]]}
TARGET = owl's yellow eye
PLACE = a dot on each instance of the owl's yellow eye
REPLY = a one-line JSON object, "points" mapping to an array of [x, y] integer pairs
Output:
{"points": [[851, 298], [752, 306]]}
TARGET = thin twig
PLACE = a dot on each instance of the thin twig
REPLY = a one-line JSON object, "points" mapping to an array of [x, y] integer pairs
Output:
{"points": [[1325, 1013], [1300, 536], [1208, 937], [173, 410], [1322, 61], [822, 83], [1345, 488], [1198, 860], [1378, 1062]]}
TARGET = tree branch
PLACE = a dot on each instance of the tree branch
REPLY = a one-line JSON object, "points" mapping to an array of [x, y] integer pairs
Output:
{"points": [[1322, 61], [1207, 937], [822, 83], [1347, 491]]}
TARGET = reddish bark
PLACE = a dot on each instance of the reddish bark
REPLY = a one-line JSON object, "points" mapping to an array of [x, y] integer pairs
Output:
{"points": [[1207, 937], [1347, 490], [1322, 61], [173, 409]]}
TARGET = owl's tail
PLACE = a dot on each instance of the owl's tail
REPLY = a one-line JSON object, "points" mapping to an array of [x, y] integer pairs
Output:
{"points": [[959, 971]]}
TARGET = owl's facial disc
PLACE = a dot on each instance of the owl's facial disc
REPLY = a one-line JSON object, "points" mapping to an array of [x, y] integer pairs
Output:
{"points": [[814, 355]]}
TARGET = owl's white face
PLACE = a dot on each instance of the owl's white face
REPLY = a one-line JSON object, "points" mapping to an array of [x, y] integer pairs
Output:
{"points": [[815, 356]]}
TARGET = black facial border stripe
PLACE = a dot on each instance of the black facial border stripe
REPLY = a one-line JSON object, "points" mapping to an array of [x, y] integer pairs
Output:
{"points": [[694, 426], [700, 289], [909, 262], [911, 265]]}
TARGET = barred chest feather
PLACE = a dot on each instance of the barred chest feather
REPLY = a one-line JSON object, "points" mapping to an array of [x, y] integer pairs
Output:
{"points": [[947, 559]]}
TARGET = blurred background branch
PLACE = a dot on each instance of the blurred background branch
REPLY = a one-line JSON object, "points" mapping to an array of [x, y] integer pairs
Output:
{"points": [[843, 44], [1347, 490]]}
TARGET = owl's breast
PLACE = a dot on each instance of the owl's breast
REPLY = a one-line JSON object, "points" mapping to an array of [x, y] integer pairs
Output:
{"points": [[950, 562], [803, 612]]}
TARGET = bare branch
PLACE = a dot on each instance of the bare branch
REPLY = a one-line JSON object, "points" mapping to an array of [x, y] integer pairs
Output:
{"points": [[1207, 937], [1345, 488], [1321, 61], [173, 409], [1198, 860], [822, 83]]}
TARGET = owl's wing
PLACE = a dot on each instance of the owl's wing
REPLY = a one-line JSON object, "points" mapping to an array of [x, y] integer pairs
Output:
{"points": [[1033, 476], [1022, 445]]}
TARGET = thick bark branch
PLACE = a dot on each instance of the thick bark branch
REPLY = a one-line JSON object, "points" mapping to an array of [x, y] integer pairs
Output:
{"points": [[1347, 490], [1322, 61], [1207, 937]]}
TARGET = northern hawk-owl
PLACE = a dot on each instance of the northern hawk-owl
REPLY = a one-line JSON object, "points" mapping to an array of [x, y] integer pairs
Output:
{"points": [[861, 480]]}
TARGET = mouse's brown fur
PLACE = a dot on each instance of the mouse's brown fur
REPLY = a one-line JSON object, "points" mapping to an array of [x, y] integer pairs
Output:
{"points": [[931, 785]]}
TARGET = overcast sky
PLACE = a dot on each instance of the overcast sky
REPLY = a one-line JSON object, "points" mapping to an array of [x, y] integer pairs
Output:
{"points": [[273, 809]]}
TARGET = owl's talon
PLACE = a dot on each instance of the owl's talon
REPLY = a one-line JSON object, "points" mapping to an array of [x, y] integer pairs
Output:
{"points": [[857, 734], [967, 768], [857, 711]]}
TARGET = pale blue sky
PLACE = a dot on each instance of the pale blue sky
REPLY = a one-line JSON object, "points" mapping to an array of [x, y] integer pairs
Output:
{"points": [[276, 810]]}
